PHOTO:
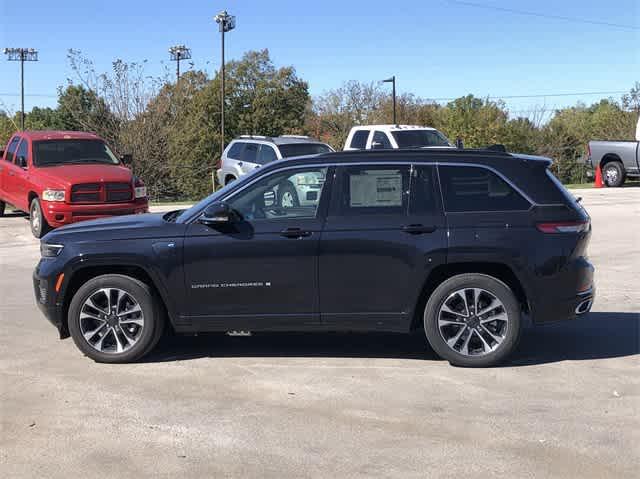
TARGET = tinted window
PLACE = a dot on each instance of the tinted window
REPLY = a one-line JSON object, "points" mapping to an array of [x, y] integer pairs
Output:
{"points": [[21, 154], [419, 138], [423, 191], [267, 155], [359, 139], [477, 189], [382, 138], [56, 152], [366, 190], [301, 149], [285, 194], [235, 151], [250, 153], [13, 145]]}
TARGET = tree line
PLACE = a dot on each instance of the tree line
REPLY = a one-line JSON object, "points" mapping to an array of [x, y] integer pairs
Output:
{"points": [[172, 128]]}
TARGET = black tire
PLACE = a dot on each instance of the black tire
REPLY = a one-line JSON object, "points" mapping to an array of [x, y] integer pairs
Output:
{"points": [[2, 207], [490, 285], [229, 179], [37, 221], [288, 195], [151, 308], [613, 174]]}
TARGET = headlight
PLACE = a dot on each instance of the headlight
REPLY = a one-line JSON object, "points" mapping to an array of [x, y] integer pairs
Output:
{"points": [[141, 191], [53, 195], [48, 250]]}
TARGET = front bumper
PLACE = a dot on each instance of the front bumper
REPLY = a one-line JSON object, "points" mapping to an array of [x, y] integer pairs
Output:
{"points": [[59, 214], [48, 301]]}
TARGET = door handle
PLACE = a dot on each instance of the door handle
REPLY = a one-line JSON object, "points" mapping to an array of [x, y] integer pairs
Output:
{"points": [[295, 233], [417, 229]]}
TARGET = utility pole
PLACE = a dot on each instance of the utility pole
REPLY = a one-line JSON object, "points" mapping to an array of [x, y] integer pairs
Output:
{"points": [[226, 23], [21, 55], [177, 53], [393, 81]]}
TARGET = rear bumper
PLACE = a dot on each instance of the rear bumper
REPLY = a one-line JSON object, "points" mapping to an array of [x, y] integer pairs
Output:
{"points": [[570, 295], [59, 214]]}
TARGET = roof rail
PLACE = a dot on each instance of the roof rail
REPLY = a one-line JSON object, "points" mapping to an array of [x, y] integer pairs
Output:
{"points": [[257, 137], [295, 136]]}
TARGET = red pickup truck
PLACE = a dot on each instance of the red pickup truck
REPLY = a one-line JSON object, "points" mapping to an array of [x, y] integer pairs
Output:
{"points": [[60, 177]]}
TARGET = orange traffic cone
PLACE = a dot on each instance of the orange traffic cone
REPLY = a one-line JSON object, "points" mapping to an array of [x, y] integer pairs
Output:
{"points": [[598, 183]]}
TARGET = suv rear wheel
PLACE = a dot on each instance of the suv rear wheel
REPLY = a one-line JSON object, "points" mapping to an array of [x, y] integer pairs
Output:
{"points": [[473, 320], [115, 319], [37, 221]]}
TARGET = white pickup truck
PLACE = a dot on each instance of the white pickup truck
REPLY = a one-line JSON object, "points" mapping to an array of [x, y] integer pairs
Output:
{"points": [[374, 137]]}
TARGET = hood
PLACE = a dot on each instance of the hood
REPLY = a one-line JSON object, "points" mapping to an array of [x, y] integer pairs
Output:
{"points": [[67, 175], [148, 225]]}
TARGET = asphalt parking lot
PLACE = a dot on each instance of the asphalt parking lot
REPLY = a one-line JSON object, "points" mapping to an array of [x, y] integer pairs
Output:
{"points": [[567, 405]]}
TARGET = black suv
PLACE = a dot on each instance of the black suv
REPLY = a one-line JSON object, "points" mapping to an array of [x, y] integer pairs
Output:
{"points": [[460, 243]]}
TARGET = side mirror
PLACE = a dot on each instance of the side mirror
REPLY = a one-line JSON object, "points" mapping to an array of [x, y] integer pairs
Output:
{"points": [[376, 145], [22, 162], [217, 214], [459, 143], [126, 159]]}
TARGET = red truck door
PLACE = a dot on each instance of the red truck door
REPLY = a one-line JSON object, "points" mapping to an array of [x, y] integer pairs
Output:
{"points": [[21, 179]]}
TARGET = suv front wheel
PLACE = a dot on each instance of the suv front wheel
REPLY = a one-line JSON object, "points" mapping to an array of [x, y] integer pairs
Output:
{"points": [[473, 320], [115, 319]]}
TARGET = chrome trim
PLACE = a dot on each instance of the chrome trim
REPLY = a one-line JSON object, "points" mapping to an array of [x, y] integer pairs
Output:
{"points": [[377, 163]]}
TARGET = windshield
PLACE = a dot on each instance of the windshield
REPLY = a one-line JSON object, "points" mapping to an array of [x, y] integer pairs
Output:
{"points": [[66, 152], [419, 138], [301, 149]]}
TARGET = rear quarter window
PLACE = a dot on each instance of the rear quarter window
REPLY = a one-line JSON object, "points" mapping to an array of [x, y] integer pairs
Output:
{"points": [[468, 189], [359, 139]]}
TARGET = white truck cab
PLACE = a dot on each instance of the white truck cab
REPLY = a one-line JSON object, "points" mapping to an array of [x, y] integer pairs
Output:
{"points": [[374, 137]]}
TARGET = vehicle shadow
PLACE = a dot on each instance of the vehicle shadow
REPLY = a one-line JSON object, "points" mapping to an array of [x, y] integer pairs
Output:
{"points": [[16, 214], [597, 335]]}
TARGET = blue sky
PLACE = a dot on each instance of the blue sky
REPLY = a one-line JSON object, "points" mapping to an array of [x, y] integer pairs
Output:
{"points": [[436, 48]]}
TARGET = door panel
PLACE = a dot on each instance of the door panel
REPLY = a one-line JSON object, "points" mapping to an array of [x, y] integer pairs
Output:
{"points": [[374, 254], [262, 267]]}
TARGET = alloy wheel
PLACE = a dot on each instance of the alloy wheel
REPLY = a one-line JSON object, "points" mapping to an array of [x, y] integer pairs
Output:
{"points": [[111, 320], [473, 322]]}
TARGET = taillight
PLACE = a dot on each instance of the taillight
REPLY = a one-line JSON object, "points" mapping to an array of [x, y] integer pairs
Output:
{"points": [[564, 227]]}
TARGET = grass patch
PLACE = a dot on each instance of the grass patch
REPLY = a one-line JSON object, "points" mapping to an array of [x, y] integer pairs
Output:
{"points": [[573, 186]]}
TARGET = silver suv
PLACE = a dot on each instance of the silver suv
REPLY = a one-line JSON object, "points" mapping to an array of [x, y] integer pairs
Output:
{"points": [[249, 152]]}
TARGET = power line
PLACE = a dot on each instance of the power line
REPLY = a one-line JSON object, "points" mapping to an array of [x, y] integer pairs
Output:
{"points": [[539, 95], [544, 15], [43, 95]]}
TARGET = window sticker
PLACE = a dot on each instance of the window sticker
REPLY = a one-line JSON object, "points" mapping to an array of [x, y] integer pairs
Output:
{"points": [[376, 188]]}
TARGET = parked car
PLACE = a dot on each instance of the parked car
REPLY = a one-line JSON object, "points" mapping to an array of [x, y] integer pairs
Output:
{"points": [[388, 247], [246, 153], [618, 160], [381, 137], [61, 177]]}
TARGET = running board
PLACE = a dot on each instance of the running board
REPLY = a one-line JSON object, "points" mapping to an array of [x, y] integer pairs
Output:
{"points": [[238, 333]]}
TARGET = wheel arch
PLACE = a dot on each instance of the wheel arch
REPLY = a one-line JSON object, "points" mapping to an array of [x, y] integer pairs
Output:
{"points": [[84, 274], [609, 157], [500, 271]]}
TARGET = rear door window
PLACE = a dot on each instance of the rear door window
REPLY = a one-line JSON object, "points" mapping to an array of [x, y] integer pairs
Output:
{"points": [[467, 189], [359, 139], [250, 153], [371, 190], [267, 155]]}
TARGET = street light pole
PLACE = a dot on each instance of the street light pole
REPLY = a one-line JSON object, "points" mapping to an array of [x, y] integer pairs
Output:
{"points": [[177, 53], [22, 55], [226, 23], [392, 80]]}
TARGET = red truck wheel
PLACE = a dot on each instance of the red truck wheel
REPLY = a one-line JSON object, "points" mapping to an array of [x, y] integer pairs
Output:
{"points": [[39, 225]]}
